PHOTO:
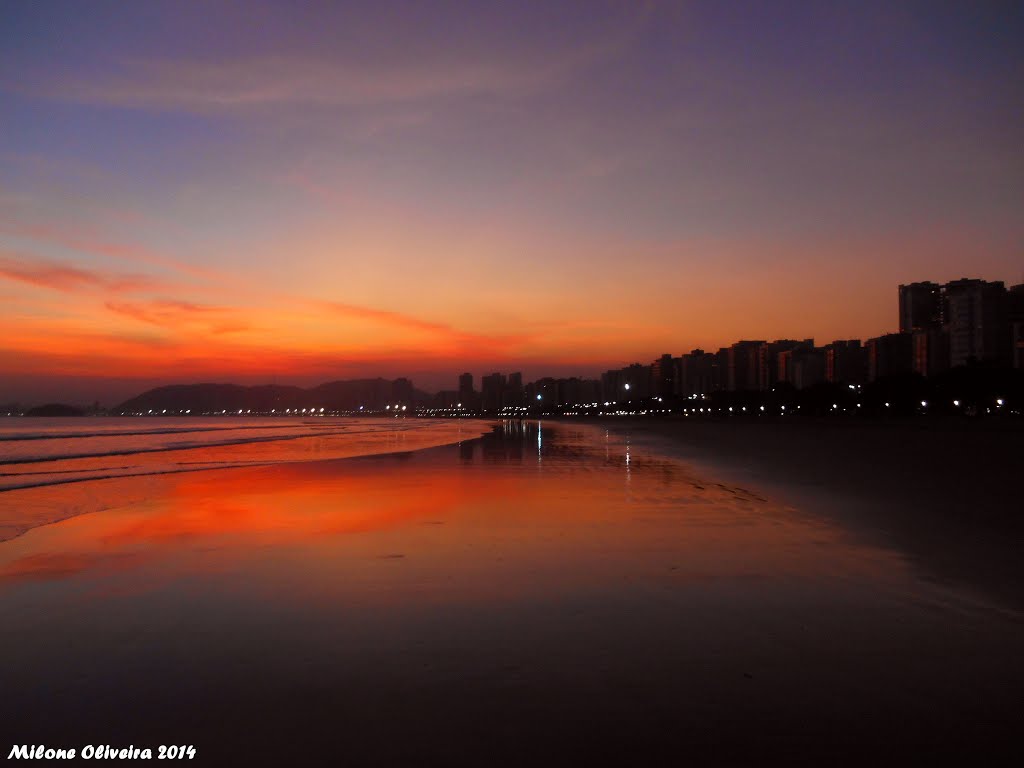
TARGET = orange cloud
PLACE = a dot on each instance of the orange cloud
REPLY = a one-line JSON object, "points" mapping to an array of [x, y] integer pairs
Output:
{"points": [[170, 313]]}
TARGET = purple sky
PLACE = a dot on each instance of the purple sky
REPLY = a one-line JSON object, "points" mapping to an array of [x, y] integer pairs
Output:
{"points": [[295, 193]]}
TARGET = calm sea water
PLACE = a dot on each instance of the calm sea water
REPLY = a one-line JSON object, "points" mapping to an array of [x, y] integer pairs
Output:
{"points": [[543, 594]]}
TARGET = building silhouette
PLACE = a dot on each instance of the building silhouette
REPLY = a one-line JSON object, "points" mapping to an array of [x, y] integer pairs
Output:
{"points": [[1015, 318], [921, 306], [941, 326], [976, 321], [492, 391], [889, 355], [744, 365], [768, 360], [663, 376], [930, 350], [514, 390], [846, 362], [697, 373]]}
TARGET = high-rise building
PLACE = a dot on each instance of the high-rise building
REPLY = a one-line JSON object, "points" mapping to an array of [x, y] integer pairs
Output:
{"points": [[697, 371], [846, 362], [635, 382], [514, 390], [768, 360], [721, 369], [663, 376], [930, 350], [467, 395], [574, 390], [610, 388], [744, 365], [808, 366], [921, 306], [492, 391], [976, 319], [543, 393], [1015, 316], [889, 355], [802, 366]]}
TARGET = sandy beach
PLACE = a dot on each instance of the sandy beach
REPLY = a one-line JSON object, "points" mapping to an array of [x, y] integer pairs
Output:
{"points": [[550, 593]]}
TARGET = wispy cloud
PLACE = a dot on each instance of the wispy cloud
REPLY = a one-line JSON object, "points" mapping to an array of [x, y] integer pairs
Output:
{"points": [[90, 242], [174, 314], [442, 333], [64, 277], [408, 74]]}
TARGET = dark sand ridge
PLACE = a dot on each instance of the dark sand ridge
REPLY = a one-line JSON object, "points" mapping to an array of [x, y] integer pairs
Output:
{"points": [[947, 494]]}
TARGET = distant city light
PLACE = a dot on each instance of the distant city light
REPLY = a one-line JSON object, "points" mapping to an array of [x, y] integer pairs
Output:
{"points": [[956, 403], [999, 401], [924, 403], [627, 385], [538, 396]]}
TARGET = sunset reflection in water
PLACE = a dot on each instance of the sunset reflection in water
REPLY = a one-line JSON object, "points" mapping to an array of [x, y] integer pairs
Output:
{"points": [[519, 578]]}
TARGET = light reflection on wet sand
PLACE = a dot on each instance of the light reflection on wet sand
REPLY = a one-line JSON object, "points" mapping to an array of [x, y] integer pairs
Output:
{"points": [[536, 594]]}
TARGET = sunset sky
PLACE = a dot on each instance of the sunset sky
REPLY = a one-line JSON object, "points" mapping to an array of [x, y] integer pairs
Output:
{"points": [[296, 193]]}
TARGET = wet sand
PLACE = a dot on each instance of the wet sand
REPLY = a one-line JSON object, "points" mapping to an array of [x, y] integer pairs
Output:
{"points": [[540, 596], [947, 494]]}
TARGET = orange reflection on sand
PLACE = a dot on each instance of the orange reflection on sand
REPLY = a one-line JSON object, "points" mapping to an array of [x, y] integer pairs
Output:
{"points": [[469, 529], [240, 510]]}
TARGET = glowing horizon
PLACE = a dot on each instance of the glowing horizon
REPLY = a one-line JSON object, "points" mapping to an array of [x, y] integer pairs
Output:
{"points": [[193, 194]]}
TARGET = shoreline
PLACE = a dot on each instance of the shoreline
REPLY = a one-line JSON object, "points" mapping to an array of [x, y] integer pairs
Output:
{"points": [[31, 505]]}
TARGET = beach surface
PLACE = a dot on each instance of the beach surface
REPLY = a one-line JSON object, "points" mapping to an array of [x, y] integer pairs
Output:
{"points": [[547, 593], [947, 494]]}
